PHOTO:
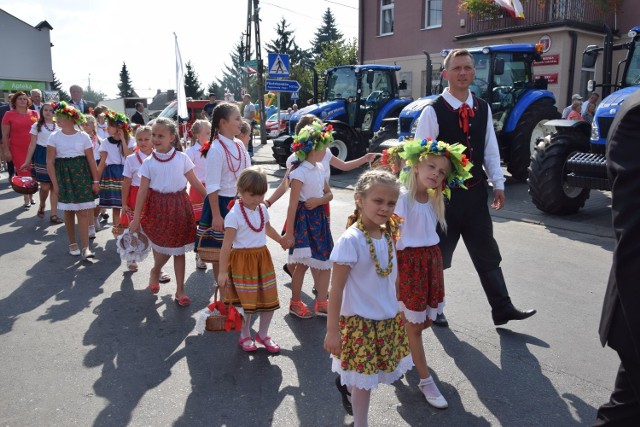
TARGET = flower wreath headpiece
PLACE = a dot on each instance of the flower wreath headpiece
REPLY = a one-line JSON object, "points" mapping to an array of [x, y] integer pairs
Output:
{"points": [[118, 119], [391, 158], [311, 137], [63, 109], [413, 152]]}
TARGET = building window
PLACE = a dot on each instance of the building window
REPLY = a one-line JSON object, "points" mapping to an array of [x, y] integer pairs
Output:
{"points": [[433, 13], [386, 17]]}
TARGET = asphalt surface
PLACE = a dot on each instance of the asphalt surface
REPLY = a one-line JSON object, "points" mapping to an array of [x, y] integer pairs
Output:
{"points": [[84, 343]]}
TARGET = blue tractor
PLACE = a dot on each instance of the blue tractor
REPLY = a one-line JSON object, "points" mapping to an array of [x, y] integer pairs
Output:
{"points": [[520, 104], [356, 100], [570, 162]]}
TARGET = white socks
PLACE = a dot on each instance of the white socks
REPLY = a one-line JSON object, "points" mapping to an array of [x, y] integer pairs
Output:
{"points": [[432, 393]]}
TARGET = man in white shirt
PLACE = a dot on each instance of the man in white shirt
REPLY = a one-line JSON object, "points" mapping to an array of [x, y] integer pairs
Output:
{"points": [[36, 100], [458, 116], [77, 101]]}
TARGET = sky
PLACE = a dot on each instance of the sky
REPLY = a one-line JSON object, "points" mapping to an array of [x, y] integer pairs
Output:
{"points": [[91, 39]]}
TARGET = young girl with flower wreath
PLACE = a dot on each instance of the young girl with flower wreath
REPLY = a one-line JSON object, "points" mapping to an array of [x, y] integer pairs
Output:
{"points": [[168, 218], [365, 333], [90, 127], [226, 157], [201, 131], [307, 234], [113, 151], [74, 175], [432, 169], [246, 270], [131, 180], [37, 152]]}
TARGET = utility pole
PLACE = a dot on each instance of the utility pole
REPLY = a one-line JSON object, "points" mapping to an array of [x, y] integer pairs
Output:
{"points": [[256, 20], [247, 44]]}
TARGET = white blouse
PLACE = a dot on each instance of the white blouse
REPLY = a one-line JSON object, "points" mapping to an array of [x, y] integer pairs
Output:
{"points": [[198, 160], [132, 165], [68, 146], [166, 177], [245, 236], [419, 226], [366, 294], [114, 154], [219, 177], [43, 136], [326, 163], [312, 178]]}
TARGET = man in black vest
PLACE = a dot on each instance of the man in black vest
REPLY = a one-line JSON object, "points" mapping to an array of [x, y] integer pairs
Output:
{"points": [[620, 322], [458, 116]]}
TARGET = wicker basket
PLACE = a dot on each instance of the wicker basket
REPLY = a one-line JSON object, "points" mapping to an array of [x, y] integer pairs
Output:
{"points": [[215, 322], [207, 254], [24, 184]]}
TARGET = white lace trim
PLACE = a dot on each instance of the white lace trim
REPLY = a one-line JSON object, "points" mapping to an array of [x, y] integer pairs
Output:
{"points": [[296, 258], [132, 248], [77, 206], [420, 316], [201, 320], [173, 251], [369, 382]]}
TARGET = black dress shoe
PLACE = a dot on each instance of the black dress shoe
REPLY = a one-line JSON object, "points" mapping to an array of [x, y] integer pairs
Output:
{"points": [[441, 321], [508, 313]]}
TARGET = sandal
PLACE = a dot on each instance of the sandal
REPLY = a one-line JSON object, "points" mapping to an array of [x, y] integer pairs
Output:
{"points": [[346, 396], [132, 266], [164, 277], [183, 301], [40, 211], [86, 253], [298, 309], [55, 219], [271, 348], [154, 289], [321, 308], [250, 347], [74, 250]]}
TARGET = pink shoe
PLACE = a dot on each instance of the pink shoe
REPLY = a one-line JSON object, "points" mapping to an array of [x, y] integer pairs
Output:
{"points": [[249, 347], [271, 348]]}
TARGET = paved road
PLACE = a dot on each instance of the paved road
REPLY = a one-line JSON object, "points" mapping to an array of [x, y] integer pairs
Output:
{"points": [[86, 344]]}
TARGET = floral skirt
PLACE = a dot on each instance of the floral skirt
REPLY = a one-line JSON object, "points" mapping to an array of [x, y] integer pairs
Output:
{"points": [[253, 280], [312, 238], [421, 283], [169, 222], [39, 164], [127, 217], [111, 187], [373, 351], [74, 184], [196, 202], [210, 238]]}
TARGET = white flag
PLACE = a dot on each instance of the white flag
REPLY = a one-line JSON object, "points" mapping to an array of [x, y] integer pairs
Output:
{"points": [[183, 113], [514, 7]]}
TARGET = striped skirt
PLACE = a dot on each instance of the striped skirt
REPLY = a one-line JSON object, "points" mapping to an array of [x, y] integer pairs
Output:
{"points": [[111, 187], [253, 280], [210, 238], [39, 164]]}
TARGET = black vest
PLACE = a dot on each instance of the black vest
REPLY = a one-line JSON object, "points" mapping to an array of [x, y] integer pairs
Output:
{"points": [[451, 132]]}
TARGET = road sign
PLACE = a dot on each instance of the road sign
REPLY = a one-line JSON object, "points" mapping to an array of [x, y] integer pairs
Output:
{"points": [[253, 63], [295, 96], [278, 65], [282, 85]]}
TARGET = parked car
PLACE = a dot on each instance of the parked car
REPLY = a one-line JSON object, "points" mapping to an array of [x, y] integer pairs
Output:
{"points": [[195, 112], [273, 129]]}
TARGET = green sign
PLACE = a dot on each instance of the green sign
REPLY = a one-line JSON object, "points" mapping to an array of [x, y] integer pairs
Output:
{"points": [[252, 63], [15, 85]]}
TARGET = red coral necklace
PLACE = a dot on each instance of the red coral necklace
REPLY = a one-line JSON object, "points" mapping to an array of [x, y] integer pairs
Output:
{"points": [[230, 157], [246, 218], [155, 156]]}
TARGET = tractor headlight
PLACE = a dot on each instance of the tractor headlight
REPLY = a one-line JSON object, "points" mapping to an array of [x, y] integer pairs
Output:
{"points": [[595, 132]]}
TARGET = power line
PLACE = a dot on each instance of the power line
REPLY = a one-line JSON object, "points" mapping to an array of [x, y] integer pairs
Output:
{"points": [[340, 4]]}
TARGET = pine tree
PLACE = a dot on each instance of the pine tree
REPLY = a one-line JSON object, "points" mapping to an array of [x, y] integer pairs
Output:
{"points": [[233, 75], [56, 85], [93, 96], [285, 42], [124, 87], [327, 33], [215, 88], [192, 87]]}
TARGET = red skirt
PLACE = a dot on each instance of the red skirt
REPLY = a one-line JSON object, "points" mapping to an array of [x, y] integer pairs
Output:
{"points": [[196, 201], [127, 217], [421, 282], [169, 222]]}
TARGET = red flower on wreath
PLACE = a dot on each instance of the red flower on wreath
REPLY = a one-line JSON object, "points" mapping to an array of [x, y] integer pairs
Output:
{"points": [[464, 160]]}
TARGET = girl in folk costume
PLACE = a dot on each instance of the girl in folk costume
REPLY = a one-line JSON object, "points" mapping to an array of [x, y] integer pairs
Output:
{"points": [[201, 131], [432, 168], [246, 269], [131, 181], [226, 158], [113, 151], [307, 232], [37, 152], [74, 175], [365, 333], [168, 221], [89, 127], [101, 125]]}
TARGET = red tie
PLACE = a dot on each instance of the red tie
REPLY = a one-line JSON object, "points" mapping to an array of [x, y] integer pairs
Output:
{"points": [[464, 113]]}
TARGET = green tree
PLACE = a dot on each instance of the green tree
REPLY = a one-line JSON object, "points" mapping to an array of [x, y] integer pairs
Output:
{"points": [[285, 42], [326, 33], [124, 87], [56, 85], [93, 96], [233, 75], [215, 88], [192, 87]]}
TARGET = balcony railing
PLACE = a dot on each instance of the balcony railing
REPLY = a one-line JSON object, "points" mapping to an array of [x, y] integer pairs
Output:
{"points": [[542, 13]]}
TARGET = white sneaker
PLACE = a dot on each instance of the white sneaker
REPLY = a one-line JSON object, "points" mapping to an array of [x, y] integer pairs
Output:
{"points": [[200, 264], [431, 392], [92, 231]]}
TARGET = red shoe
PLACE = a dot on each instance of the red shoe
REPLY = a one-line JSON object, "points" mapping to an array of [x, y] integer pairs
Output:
{"points": [[297, 308], [154, 288], [183, 301], [321, 308], [248, 348], [271, 348]]}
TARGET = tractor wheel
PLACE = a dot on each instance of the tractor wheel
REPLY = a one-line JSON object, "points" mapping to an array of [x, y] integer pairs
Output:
{"points": [[525, 136], [378, 140], [340, 149], [547, 185]]}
